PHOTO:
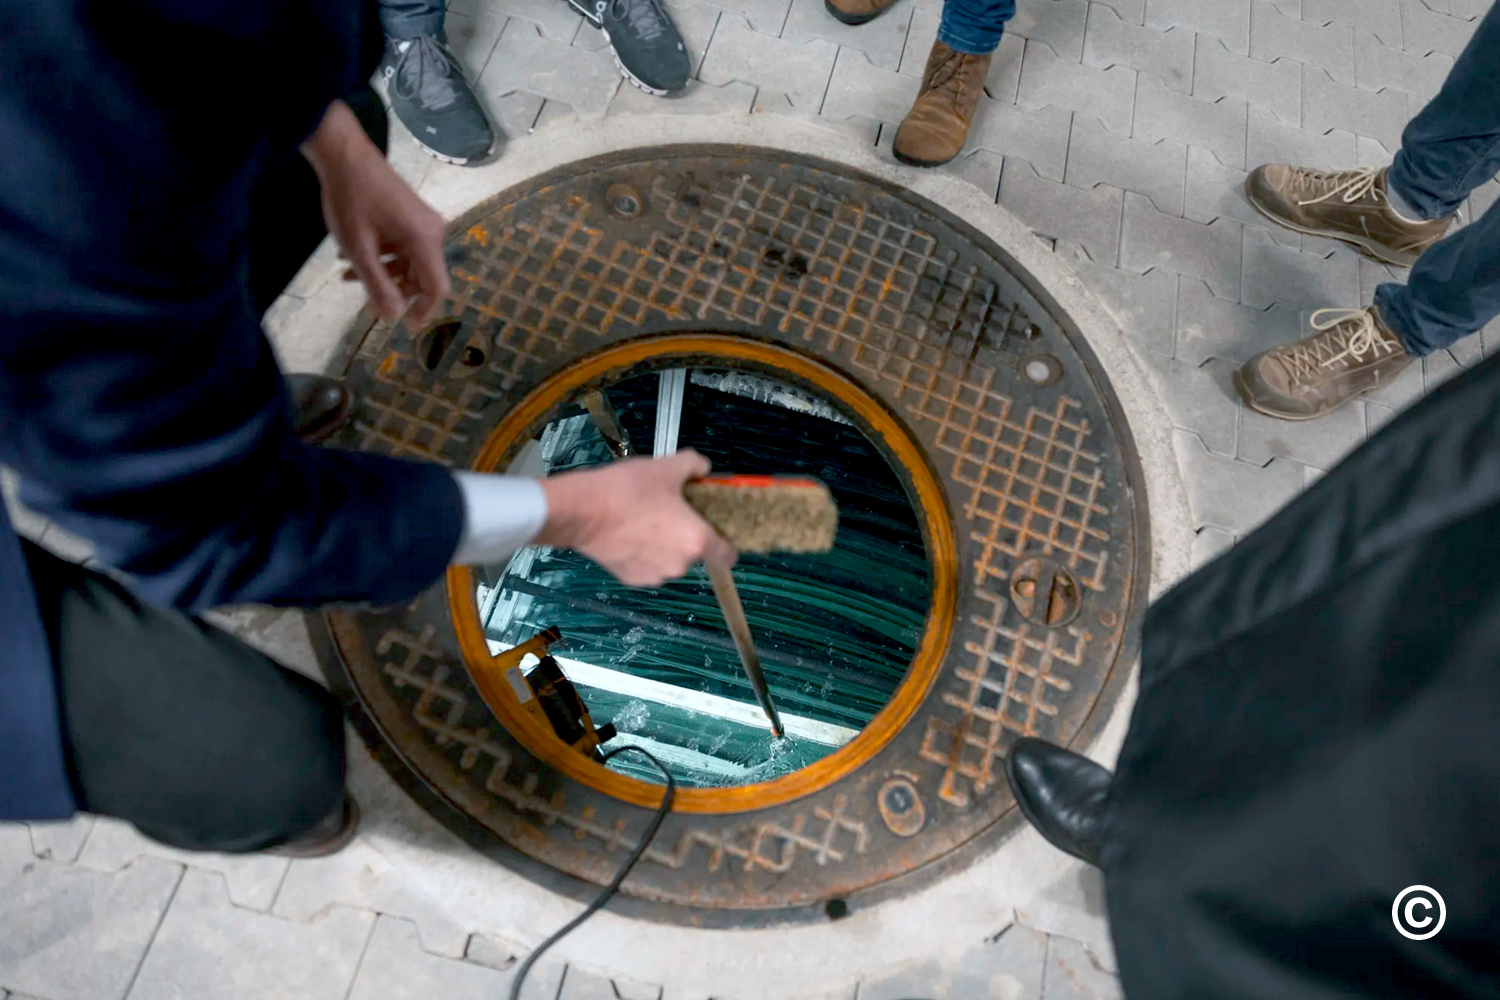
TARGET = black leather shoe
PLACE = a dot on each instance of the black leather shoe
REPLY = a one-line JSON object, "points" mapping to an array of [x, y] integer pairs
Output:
{"points": [[1062, 794], [329, 836], [320, 406]]}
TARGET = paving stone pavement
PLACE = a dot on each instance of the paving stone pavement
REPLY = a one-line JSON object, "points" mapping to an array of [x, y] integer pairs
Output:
{"points": [[1120, 131]]}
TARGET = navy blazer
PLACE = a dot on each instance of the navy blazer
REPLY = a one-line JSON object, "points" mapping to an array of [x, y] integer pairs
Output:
{"points": [[139, 400]]}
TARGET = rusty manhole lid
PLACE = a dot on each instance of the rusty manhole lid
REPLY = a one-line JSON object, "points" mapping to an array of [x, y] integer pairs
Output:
{"points": [[990, 408]]}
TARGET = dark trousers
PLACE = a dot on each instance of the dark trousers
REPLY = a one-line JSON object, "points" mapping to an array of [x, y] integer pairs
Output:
{"points": [[172, 724], [1447, 151], [411, 18]]}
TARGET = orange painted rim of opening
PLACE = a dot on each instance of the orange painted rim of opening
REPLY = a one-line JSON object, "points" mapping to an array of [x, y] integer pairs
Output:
{"points": [[898, 445]]}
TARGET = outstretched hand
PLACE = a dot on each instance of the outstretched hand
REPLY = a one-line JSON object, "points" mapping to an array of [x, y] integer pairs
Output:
{"points": [[630, 517], [392, 239]]}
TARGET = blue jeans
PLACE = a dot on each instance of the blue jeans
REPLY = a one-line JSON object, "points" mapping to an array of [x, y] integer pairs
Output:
{"points": [[1448, 150], [411, 18], [974, 26]]}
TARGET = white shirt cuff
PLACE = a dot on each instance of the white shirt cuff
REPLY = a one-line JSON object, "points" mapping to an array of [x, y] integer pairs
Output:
{"points": [[501, 514]]}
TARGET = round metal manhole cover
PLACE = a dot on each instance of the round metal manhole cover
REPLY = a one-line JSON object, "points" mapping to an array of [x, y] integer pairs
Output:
{"points": [[839, 295]]}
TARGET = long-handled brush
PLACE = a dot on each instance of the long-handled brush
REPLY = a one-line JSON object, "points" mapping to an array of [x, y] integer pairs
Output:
{"points": [[761, 514]]}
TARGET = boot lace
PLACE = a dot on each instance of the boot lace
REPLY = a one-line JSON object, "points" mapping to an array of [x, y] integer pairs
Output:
{"points": [[425, 73], [1341, 334], [642, 17], [948, 74], [1350, 185]]}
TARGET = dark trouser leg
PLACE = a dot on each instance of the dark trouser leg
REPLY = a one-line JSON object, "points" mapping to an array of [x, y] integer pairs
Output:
{"points": [[1453, 145], [179, 728], [411, 18], [1447, 151], [286, 213], [974, 26]]}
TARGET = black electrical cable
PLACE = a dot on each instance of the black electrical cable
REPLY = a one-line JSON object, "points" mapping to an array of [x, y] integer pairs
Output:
{"points": [[604, 897]]}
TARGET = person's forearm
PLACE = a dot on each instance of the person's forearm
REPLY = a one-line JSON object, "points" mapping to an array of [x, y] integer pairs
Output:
{"points": [[339, 137]]}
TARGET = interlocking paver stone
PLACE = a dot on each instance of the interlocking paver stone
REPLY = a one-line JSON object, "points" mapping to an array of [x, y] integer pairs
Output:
{"points": [[525, 59], [801, 70], [1229, 494], [1327, 104], [1320, 443], [557, 19], [67, 933], [1424, 30], [1133, 11], [1214, 190], [1209, 544], [1199, 399], [733, 98], [1383, 17], [1212, 327], [1275, 273], [62, 840], [763, 15], [1156, 170], [1089, 218], [923, 30], [581, 984], [881, 40], [1111, 41], [251, 879], [1268, 140], [1218, 126], [1275, 86], [1145, 305], [1071, 974], [1106, 94], [1008, 967], [1059, 24], [859, 88], [395, 967], [208, 949], [1226, 20], [1273, 35], [1151, 239], [1377, 66], [1038, 137]]}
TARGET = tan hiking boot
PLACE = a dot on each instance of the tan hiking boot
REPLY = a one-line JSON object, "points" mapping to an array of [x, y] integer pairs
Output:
{"points": [[857, 11], [938, 124], [1348, 205], [1351, 352]]}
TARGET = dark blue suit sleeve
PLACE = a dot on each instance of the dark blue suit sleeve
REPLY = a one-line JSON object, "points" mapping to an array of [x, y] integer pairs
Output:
{"points": [[160, 430]]}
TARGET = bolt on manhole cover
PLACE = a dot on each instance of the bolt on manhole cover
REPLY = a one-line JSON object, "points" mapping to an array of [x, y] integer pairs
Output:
{"points": [[777, 313]]}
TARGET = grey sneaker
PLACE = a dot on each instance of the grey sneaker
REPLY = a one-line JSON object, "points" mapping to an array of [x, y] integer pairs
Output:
{"points": [[428, 93], [1350, 352], [1347, 205], [647, 46]]}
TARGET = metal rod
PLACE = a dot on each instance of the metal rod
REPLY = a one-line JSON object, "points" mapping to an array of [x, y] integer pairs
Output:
{"points": [[722, 578]]}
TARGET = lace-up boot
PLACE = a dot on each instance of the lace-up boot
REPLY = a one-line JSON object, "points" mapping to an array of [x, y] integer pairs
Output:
{"points": [[1348, 205], [428, 93], [937, 125], [1350, 351]]}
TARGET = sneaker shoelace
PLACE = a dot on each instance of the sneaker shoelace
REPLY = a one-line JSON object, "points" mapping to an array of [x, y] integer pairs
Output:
{"points": [[425, 73], [1350, 185], [643, 18], [1342, 333]]}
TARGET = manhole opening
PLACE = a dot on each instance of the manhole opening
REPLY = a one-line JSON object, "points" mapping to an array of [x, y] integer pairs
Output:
{"points": [[657, 668]]}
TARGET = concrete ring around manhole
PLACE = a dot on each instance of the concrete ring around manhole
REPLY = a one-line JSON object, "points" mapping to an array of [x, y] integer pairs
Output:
{"points": [[913, 304]]}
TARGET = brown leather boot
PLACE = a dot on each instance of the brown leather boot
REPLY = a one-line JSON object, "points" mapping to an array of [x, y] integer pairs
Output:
{"points": [[320, 406], [1347, 205], [938, 124], [857, 11], [1351, 351]]}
